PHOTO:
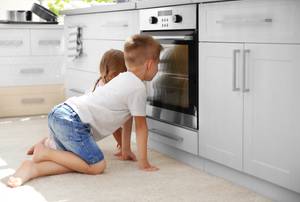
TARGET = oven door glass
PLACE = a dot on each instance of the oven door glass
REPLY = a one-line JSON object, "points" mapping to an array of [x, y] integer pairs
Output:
{"points": [[172, 94]]}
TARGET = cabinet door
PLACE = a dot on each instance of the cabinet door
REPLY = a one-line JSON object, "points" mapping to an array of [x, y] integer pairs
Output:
{"points": [[272, 113], [92, 53], [221, 106]]}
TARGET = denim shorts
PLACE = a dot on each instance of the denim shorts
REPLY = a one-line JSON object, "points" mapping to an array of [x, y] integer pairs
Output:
{"points": [[71, 134]]}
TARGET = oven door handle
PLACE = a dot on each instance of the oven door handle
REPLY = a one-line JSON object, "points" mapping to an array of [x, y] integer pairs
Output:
{"points": [[182, 38]]}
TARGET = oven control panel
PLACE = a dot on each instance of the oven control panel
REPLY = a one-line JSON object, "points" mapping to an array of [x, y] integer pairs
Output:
{"points": [[176, 17]]}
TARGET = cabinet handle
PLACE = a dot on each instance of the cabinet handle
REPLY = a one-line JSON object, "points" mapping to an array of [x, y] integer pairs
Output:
{"points": [[33, 100], [49, 42], [166, 135], [76, 90], [245, 71], [234, 72], [112, 24], [32, 71], [15, 43], [244, 21]]}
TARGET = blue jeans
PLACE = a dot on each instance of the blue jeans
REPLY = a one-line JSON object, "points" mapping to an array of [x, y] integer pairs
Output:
{"points": [[71, 134]]}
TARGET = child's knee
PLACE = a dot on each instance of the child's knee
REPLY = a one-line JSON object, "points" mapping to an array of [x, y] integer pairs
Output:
{"points": [[96, 169]]}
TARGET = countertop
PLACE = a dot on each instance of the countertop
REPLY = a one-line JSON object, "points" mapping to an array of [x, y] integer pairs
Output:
{"points": [[30, 26], [132, 6]]}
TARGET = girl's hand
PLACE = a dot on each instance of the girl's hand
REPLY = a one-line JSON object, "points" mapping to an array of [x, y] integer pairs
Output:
{"points": [[145, 165], [127, 156]]}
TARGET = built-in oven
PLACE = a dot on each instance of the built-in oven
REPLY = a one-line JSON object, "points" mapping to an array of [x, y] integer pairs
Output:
{"points": [[173, 92]]}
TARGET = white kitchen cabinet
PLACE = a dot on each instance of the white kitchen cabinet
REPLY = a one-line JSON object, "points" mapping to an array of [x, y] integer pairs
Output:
{"points": [[260, 119], [92, 53], [220, 104], [250, 21], [272, 113], [254, 128], [31, 64]]}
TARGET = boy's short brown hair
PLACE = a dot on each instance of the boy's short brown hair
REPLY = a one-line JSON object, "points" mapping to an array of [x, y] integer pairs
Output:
{"points": [[139, 48]]}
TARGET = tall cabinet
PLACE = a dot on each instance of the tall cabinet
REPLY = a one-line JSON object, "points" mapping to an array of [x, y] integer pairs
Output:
{"points": [[250, 88]]}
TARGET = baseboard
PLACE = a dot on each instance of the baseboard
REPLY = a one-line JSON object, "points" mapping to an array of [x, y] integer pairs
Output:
{"points": [[257, 185]]}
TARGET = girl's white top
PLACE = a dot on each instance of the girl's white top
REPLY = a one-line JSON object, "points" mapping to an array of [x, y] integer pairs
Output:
{"points": [[109, 106]]}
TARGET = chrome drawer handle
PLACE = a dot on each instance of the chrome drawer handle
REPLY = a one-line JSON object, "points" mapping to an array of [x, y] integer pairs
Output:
{"points": [[32, 71], [245, 21], [15, 43], [49, 42], [33, 100], [245, 71], [76, 90], [112, 24], [234, 72], [166, 135]]}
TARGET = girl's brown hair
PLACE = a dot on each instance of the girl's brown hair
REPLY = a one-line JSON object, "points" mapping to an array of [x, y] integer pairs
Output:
{"points": [[111, 61]]}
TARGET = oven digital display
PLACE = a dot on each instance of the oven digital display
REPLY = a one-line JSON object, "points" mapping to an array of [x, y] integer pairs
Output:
{"points": [[164, 13]]}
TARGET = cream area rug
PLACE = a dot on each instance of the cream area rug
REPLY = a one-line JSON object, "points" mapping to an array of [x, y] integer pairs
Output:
{"points": [[122, 181]]}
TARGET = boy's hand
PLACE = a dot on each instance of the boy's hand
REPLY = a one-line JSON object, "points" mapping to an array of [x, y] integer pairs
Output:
{"points": [[145, 165], [127, 155]]}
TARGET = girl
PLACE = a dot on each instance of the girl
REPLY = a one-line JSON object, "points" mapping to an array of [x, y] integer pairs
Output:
{"points": [[70, 138]]}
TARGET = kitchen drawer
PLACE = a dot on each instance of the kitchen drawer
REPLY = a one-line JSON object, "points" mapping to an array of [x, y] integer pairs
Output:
{"points": [[111, 25], [30, 74], [22, 71], [47, 42], [184, 139], [20, 101], [14, 42], [93, 51], [263, 21], [79, 82]]}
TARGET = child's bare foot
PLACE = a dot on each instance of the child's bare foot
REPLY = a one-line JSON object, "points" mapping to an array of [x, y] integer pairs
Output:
{"points": [[23, 174], [39, 152]]}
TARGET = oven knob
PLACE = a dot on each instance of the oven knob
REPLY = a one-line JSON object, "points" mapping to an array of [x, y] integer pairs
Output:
{"points": [[153, 20], [177, 18]]}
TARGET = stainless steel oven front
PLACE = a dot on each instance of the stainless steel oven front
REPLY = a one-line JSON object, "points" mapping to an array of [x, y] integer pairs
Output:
{"points": [[173, 92]]}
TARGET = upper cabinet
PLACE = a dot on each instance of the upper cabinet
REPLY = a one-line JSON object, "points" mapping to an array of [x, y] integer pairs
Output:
{"points": [[112, 25], [250, 21]]}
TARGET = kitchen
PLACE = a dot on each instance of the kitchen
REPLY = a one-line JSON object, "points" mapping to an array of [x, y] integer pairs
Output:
{"points": [[228, 112]]}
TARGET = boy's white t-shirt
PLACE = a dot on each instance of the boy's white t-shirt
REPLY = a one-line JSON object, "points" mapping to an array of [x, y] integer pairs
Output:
{"points": [[111, 105]]}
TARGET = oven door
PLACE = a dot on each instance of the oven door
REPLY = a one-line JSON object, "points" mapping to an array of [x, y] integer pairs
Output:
{"points": [[173, 92]]}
